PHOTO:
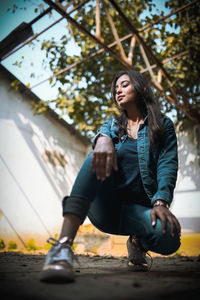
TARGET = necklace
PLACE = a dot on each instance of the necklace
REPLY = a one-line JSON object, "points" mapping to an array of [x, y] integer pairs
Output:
{"points": [[132, 130]]}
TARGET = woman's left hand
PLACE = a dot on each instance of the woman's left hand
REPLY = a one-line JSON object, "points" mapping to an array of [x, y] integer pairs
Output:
{"points": [[165, 215]]}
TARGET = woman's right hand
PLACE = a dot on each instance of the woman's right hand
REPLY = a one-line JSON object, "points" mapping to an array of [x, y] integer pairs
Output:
{"points": [[104, 158]]}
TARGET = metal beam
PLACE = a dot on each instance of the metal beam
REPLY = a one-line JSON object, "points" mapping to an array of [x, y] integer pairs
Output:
{"points": [[140, 40], [166, 60], [115, 33], [158, 63], [85, 31], [45, 29], [192, 114], [112, 44], [93, 55], [46, 11]]}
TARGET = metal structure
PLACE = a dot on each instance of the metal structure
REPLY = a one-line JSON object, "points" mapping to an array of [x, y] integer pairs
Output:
{"points": [[157, 80]]}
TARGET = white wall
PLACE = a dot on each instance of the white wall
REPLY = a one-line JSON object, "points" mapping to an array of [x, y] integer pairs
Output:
{"points": [[186, 203], [32, 188]]}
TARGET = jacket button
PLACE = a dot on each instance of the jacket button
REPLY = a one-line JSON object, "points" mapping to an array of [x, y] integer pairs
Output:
{"points": [[122, 138]]}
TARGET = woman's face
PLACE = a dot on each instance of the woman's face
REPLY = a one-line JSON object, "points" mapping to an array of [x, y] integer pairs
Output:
{"points": [[124, 94]]}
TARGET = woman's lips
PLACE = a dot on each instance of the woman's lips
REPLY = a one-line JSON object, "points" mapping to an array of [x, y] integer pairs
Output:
{"points": [[119, 98]]}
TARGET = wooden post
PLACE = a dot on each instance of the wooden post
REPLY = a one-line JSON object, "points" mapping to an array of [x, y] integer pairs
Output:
{"points": [[98, 22], [159, 78], [115, 34], [132, 47], [149, 67]]}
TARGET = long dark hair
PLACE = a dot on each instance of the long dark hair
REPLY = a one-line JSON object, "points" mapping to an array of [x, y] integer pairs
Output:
{"points": [[146, 104]]}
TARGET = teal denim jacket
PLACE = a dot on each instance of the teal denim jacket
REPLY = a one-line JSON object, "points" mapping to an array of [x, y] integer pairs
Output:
{"points": [[158, 166]]}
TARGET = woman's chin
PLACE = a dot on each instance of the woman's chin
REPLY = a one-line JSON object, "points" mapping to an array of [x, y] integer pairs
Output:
{"points": [[124, 104]]}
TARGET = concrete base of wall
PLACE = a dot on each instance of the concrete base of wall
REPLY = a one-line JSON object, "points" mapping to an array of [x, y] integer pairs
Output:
{"points": [[90, 240]]}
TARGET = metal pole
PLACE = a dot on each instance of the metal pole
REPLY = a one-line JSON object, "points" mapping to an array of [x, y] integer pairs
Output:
{"points": [[45, 29], [110, 45]]}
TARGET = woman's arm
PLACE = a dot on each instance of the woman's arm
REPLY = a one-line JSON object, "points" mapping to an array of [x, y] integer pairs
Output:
{"points": [[167, 165], [165, 215], [104, 157], [167, 168], [104, 130]]}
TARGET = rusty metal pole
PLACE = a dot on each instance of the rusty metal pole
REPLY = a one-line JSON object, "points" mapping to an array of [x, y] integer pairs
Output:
{"points": [[85, 31], [192, 113]]}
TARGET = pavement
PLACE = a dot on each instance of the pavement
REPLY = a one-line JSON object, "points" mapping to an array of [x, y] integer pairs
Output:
{"points": [[101, 277]]}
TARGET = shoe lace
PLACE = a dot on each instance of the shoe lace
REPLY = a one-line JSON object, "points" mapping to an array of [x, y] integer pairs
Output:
{"points": [[151, 260], [55, 242]]}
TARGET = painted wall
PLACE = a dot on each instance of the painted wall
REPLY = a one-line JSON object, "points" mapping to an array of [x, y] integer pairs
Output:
{"points": [[186, 203], [39, 160]]}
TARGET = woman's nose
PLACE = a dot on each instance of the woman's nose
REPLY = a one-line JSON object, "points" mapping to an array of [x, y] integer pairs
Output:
{"points": [[119, 90]]}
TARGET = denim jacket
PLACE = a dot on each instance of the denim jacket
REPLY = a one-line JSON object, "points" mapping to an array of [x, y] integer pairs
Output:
{"points": [[159, 166]]}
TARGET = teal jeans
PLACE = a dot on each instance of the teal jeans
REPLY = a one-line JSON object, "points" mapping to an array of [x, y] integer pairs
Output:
{"points": [[115, 212]]}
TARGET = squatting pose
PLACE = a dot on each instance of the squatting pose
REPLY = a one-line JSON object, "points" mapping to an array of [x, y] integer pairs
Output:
{"points": [[126, 184]]}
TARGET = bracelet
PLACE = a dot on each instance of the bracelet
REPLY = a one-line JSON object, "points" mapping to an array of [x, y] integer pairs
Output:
{"points": [[102, 134], [161, 203]]}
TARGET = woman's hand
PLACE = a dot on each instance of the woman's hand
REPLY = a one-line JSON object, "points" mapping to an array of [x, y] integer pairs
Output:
{"points": [[104, 158], [165, 215]]}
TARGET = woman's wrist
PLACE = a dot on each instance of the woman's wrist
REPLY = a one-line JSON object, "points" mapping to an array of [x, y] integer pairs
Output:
{"points": [[160, 202], [103, 137]]}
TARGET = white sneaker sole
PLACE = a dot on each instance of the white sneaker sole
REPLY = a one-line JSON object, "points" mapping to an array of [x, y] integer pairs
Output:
{"points": [[138, 267], [57, 276]]}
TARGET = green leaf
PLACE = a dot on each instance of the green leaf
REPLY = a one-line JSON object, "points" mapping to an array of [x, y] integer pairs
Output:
{"points": [[84, 91]]}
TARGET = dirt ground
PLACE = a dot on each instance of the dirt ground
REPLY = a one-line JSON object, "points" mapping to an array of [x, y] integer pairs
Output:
{"points": [[101, 277]]}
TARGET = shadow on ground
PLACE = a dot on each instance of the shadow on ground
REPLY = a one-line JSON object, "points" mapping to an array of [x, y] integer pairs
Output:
{"points": [[101, 277]]}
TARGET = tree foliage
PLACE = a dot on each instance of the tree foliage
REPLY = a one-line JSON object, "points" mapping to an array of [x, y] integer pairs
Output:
{"points": [[85, 93]]}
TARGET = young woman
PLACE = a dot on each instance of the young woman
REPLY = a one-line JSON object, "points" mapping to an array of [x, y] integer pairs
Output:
{"points": [[126, 184]]}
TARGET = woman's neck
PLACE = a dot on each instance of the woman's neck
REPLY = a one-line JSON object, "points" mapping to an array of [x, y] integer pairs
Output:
{"points": [[134, 117]]}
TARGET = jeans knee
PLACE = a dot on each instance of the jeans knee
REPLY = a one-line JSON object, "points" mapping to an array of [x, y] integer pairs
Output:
{"points": [[77, 205], [165, 243]]}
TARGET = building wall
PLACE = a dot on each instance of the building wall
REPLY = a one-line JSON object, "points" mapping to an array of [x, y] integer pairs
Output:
{"points": [[186, 203], [39, 160]]}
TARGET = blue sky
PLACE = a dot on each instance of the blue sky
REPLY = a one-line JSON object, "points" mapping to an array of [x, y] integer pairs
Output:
{"points": [[33, 56]]}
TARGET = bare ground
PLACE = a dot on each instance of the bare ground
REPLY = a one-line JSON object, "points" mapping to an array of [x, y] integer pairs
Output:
{"points": [[101, 277]]}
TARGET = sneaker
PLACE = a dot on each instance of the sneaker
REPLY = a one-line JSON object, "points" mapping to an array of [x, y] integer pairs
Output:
{"points": [[137, 255], [58, 263]]}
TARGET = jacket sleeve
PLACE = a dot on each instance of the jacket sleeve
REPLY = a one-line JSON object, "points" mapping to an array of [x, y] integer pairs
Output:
{"points": [[167, 165], [105, 129]]}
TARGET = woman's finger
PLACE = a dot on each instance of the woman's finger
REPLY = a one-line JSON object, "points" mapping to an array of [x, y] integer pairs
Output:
{"points": [[171, 223], [101, 166], [160, 212], [153, 217], [108, 166], [177, 225], [93, 162], [163, 220], [98, 166], [115, 166]]}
